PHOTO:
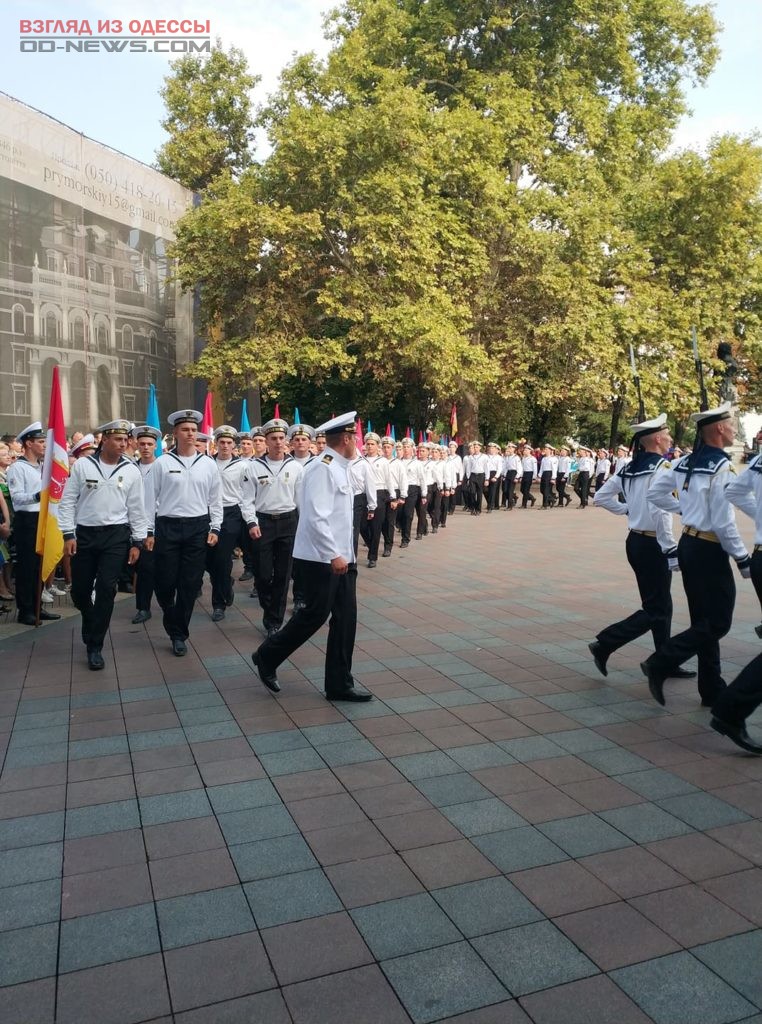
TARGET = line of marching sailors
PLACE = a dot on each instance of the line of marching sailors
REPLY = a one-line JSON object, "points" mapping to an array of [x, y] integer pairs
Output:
{"points": [[703, 488]]}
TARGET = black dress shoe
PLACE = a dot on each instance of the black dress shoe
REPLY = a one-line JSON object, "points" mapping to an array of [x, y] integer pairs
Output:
{"points": [[371, 563], [48, 616], [600, 657], [299, 606], [737, 734], [655, 683], [139, 617], [230, 599], [26, 620], [179, 648], [387, 553], [247, 574], [125, 588], [353, 694], [218, 614], [405, 544], [682, 673], [272, 630], [95, 660], [267, 676]]}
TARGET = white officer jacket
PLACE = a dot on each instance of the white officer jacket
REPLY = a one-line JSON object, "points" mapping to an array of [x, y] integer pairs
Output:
{"points": [[24, 483], [324, 531], [745, 492]]}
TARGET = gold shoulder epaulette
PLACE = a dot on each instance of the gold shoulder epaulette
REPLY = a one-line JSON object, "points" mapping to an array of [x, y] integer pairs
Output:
{"points": [[327, 458]]}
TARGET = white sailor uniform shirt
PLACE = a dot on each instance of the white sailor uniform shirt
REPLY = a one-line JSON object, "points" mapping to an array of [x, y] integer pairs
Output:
{"points": [[632, 482], [745, 492], [621, 462], [480, 464], [276, 484], [398, 474], [564, 465], [549, 464], [494, 465], [529, 465], [450, 472], [603, 466], [456, 468], [184, 487], [237, 480], [585, 464], [511, 463], [363, 481], [325, 531], [304, 460], [382, 473], [467, 463], [703, 505], [416, 476], [99, 494], [24, 484]]}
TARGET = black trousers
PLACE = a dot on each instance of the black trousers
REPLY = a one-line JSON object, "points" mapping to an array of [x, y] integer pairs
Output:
{"points": [[421, 506], [179, 562], [654, 579], [387, 526], [435, 506], [711, 593], [144, 581], [371, 531], [561, 491], [454, 499], [582, 488], [408, 510], [326, 594], [97, 565], [477, 491], [28, 562], [467, 493], [743, 696], [509, 486], [546, 489], [219, 559], [493, 493], [756, 573], [246, 544], [273, 553], [600, 480], [359, 517], [526, 489], [444, 508]]}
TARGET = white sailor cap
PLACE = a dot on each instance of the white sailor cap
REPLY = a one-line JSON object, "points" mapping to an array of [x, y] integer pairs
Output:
{"points": [[453, 444], [272, 426], [373, 436], [344, 424], [256, 432], [649, 426], [388, 440], [226, 431], [146, 431], [548, 445], [115, 427], [477, 443], [510, 444], [205, 438], [407, 442], [184, 416], [708, 416], [33, 432], [563, 448], [301, 430], [88, 441]]}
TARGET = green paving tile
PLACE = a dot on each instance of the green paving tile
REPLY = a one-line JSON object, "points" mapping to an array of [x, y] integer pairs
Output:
{"points": [[407, 705], [703, 810], [583, 835], [480, 755], [678, 988], [737, 961], [34, 706], [478, 817], [95, 700], [28, 953], [192, 686], [138, 693], [34, 903], [578, 741], [209, 699], [453, 789], [21, 738], [108, 937], [645, 823], [31, 864], [270, 857], [532, 748], [519, 848], [202, 916], [407, 925], [155, 739], [289, 762], [31, 830], [489, 905], [442, 982], [655, 784], [41, 721], [533, 957], [293, 897], [456, 698], [342, 732], [102, 818], [256, 823], [614, 760], [276, 742], [238, 796], [156, 810], [31, 757], [204, 716], [215, 731]]}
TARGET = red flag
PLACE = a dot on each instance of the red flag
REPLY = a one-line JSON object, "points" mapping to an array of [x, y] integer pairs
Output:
{"points": [[407, 432], [420, 437], [55, 471], [388, 430], [276, 414], [358, 432], [207, 423]]}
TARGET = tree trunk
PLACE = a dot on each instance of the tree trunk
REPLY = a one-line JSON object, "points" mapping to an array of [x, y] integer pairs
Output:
{"points": [[468, 416], [616, 411]]}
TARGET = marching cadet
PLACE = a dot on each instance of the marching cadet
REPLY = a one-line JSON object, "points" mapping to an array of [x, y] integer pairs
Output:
{"points": [[384, 494], [562, 478], [468, 461], [301, 437], [245, 446], [456, 468], [427, 488], [238, 513], [258, 442], [622, 458], [493, 475], [734, 705], [319, 442], [416, 478], [398, 493], [24, 480], [363, 481], [85, 446], [146, 438], [184, 512], [102, 518], [602, 468], [745, 492], [528, 475], [202, 442], [708, 542], [511, 469], [436, 475], [585, 466], [548, 472], [325, 553], [449, 483], [276, 483], [258, 449], [650, 546], [479, 472]]}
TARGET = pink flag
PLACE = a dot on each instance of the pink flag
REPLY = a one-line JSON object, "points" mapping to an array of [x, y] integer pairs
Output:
{"points": [[207, 423], [358, 432], [276, 414]]}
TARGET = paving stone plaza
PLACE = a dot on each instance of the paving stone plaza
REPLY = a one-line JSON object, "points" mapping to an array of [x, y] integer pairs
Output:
{"points": [[501, 837]]}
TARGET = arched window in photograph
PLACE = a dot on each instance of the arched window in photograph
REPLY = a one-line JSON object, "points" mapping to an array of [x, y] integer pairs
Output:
{"points": [[52, 329], [102, 336], [72, 266], [52, 256], [127, 338], [19, 320], [78, 331], [153, 344]]}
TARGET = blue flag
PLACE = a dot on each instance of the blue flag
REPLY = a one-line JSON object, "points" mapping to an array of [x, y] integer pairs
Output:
{"points": [[152, 416], [245, 426], [394, 436], [369, 428], [296, 415]]}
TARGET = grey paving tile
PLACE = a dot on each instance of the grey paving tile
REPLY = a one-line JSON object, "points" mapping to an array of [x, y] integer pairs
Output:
{"points": [[239, 796], [288, 762], [191, 686], [28, 953], [703, 811], [275, 742], [31, 864], [442, 982], [107, 937], [22, 906], [737, 961], [479, 817], [352, 752], [21, 738], [209, 699], [204, 716], [201, 916], [489, 905], [214, 731], [584, 834], [41, 721], [156, 810], [425, 766], [480, 755], [341, 732], [645, 823], [137, 693], [270, 857], [104, 747], [407, 705], [291, 897], [452, 789], [30, 757], [155, 739], [101, 818], [407, 925], [519, 848], [31, 830], [532, 957], [371, 709], [256, 823], [671, 989], [615, 760], [655, 783], [579, 741], [532, 748]]}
